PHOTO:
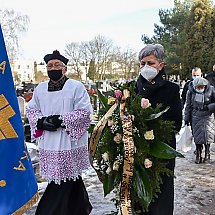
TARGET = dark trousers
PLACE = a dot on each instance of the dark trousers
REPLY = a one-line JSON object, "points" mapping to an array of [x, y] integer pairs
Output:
{"points": [[68, 198], [164, 204]]}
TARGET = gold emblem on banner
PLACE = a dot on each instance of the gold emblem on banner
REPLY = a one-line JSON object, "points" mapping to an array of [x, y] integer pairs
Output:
{"points": [[2, 183], [2, 66], [21, 165], [6, 112]]}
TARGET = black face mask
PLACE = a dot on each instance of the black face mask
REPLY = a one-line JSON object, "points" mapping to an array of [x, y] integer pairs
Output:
{"points": [[55, 75]]}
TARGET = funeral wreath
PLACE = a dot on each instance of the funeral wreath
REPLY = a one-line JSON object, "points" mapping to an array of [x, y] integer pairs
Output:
{"points": [[128, 148]]}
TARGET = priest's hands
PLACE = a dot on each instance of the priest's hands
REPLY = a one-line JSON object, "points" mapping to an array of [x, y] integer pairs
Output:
{"points": [[50, 123], [54, 119]]}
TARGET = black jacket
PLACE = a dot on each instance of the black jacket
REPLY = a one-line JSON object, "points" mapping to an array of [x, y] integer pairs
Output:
{"points": [[211, 78], [164, 92], [184, 91]]}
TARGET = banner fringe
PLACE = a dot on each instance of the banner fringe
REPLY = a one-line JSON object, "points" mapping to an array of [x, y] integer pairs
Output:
{"points": [[27, 206]]}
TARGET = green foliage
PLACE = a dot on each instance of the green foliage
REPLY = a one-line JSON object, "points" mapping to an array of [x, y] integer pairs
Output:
{"points": [[146, 180], [162, 150], [199, 39], [187, 34], [103, 99], [91, 72], [142, 186]]}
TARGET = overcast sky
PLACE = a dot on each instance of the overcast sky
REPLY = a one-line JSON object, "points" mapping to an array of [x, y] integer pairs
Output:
{"points": [[53, 24]]}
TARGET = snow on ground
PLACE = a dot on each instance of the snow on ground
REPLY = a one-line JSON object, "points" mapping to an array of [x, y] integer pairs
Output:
{"points": [[194, 188]]}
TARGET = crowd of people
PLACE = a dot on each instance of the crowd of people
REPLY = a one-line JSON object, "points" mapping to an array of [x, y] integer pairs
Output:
{"points": [[59, 115]]}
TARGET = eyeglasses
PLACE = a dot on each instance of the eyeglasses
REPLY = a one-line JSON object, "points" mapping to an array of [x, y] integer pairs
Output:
{"points": [[56, 65]]}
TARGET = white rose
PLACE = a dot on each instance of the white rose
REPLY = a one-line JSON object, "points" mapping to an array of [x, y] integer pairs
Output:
{"points": [[105, 156], [110, 122], [116, 165], [147, 163], [118, 138], [149, 135], [108, 170]]}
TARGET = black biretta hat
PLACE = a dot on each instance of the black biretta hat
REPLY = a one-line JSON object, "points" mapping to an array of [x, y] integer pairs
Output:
{"points": [[55, 55]]}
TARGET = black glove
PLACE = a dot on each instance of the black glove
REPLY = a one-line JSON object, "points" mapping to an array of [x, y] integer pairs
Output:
{"points": [[54, 119], [205, 108], [45, 124], [211, 107], [187, 123]]}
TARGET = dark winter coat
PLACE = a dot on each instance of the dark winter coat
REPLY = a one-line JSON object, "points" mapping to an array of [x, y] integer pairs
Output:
{"points": [[199, 110], [211, 78], [184, 91], [162, 91]]}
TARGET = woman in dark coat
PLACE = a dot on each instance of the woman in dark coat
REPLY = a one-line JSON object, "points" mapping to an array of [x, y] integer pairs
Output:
{"points": [[199, 108], [152, 84]]}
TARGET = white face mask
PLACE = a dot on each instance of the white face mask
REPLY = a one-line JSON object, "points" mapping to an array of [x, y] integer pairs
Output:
{"points": [[148, 72], [199, 91], [194, 77]]}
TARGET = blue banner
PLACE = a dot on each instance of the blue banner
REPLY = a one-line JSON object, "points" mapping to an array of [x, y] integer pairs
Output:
{"points": [[18, 185]]}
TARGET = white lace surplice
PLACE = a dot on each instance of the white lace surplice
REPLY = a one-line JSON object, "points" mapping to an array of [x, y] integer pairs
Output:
{"points": [[63, 153]]}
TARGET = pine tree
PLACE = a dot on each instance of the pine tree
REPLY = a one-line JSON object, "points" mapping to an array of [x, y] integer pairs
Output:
{"points": [[91, 71], [170, 34], [199, 36], [212, 55]]}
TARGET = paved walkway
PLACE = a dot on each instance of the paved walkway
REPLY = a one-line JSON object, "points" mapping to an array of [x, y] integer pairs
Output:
{"points": [[194, 188]]}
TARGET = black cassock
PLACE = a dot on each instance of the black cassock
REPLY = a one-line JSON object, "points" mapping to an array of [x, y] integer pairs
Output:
{"points": [[68, 198]]}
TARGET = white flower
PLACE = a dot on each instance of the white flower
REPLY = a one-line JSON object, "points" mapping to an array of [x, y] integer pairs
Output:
{"points": [[103, 167], [110, 122], [135, 149], [149, 135], [108, 170], [135, 130], [114, 128], [119, 158], [105, 156], [116, 165], [118, 138], [147, 163]]}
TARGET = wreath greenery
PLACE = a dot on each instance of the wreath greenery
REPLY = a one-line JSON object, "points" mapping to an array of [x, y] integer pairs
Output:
{"points": [[150, 134]]}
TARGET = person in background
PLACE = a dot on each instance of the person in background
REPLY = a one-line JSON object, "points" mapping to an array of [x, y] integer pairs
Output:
{"points": [[152, 85], [199, 110], [211, 77], [59, 115], [196, 72]]}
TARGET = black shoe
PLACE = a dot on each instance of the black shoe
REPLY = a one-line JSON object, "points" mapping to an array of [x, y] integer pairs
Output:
{"points": [[198, 160]]}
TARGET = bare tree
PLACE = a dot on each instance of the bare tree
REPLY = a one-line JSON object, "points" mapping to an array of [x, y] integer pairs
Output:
{"points": [[13, 24], [101, 50], [101, 59], [73, 52], [86, 58], [126, 60]]}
